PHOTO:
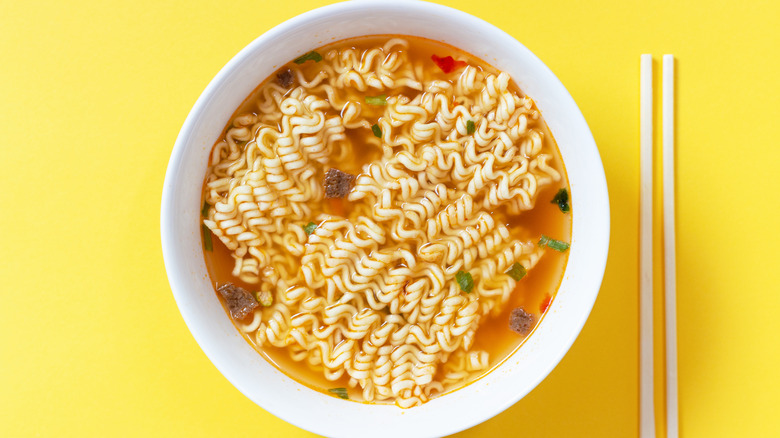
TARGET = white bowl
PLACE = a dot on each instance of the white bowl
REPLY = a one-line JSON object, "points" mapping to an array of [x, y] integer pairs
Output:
{"points": [[259, 380]]}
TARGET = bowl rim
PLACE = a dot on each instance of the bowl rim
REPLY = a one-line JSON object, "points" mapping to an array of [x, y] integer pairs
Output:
{"points": [[174, 268]]}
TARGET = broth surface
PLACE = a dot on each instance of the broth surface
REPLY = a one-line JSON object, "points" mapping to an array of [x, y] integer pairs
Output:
{"points": [[531, 292]]}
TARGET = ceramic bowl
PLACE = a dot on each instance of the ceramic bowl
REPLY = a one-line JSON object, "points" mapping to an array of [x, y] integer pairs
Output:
{"points": [[273, 390]]}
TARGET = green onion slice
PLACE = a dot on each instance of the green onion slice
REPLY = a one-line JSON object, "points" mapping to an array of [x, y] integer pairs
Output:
{"points": [[309, 228], [311, 56], [562, 199], [465, 281], [470, 127], [380, 100], [557, 245], [377, 131], [205, 210], [265, 298], [517, 271], [206, 237], [340, 392]]}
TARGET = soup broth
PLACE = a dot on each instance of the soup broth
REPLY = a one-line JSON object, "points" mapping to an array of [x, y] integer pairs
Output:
{"points": [[455, 176]]}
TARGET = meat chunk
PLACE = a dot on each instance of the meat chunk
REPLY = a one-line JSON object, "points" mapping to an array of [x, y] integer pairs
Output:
{"points": [[285, 78], [521, 322], [337, 183], [239, 301]]}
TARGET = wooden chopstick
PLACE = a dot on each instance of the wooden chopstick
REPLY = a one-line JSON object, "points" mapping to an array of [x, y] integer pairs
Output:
{"points": [[646, 405], [670, 258]]}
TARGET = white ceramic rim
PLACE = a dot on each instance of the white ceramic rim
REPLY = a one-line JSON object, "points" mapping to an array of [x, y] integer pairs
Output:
{"points": [[458, 410]]}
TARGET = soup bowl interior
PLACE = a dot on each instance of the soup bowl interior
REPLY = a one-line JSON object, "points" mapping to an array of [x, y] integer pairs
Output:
{"points": [[262, 382]]}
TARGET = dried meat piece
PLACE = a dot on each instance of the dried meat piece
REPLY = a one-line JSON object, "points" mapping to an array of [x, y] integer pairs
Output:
{"points": [[285, 78], [239, 301], [337, 183], [521, 322]]}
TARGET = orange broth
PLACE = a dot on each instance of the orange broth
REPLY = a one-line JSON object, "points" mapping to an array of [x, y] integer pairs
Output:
{"points": [[493, 334]]}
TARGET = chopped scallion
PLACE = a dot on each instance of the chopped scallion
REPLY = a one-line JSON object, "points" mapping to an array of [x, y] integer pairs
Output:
{"points": [[380, 100], [206, 238], [465, 281], [309, 228], [377, 131], [470, 127], [264, 297], [562, 199], [340, 392], [311, 56], [557, 245], [205, 210], [517, 271]]}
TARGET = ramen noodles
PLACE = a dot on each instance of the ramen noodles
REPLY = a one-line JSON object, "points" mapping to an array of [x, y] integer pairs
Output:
{"points": [[385, 218]]}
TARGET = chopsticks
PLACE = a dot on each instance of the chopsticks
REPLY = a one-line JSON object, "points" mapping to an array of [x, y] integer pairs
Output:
{"points": [[646, 384], [646, 412], [670, 256]]}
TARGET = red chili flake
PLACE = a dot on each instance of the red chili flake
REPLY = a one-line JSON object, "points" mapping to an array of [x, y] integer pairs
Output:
{"points": [[545, 304], [448, 64]]}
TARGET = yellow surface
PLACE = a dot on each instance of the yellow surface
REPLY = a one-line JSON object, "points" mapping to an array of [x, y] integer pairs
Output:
{"points": [[92, 96]]}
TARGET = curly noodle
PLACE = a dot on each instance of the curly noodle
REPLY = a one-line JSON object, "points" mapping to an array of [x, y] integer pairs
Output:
{"points": [[372, 294]]}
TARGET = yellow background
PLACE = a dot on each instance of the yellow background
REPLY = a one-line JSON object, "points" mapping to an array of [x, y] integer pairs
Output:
{"points": [[92, 96]]}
